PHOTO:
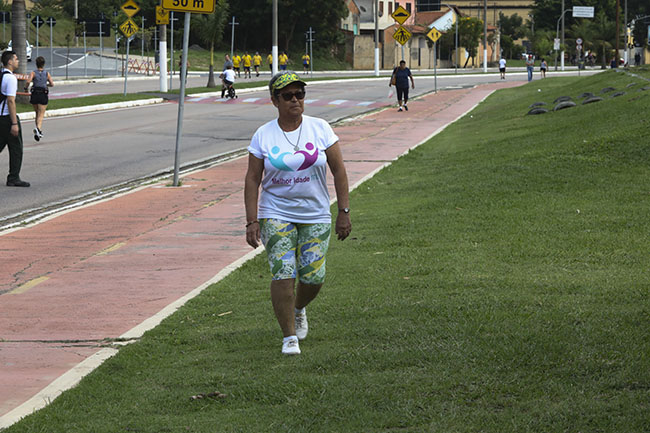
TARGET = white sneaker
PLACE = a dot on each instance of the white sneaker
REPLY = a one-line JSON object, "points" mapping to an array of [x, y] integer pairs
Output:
{"points": [[399, 109], [291, 347], [301, 325]]}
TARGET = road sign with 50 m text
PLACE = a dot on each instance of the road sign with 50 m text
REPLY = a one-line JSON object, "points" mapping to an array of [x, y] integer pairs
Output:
{"points": [[194, 6]]}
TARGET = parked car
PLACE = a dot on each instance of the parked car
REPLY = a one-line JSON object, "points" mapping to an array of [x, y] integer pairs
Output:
{"points": [[29, 50]]}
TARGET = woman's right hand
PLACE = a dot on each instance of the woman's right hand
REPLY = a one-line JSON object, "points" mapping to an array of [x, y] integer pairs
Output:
{"points": [[253, 234]]}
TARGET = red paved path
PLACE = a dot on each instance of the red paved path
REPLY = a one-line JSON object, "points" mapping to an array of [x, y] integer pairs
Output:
{"points": [[103, 269]]}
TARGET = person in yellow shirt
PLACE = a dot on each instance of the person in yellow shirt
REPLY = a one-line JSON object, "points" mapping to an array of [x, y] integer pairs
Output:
{"points": [[247, 59], [236, 60], [269, 59], [305, 62], [257, 61], [283, 60]]}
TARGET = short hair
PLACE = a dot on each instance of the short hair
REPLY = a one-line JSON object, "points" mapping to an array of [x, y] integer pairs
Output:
{"points": [[6, 56], [402, 61], [40, 61]]}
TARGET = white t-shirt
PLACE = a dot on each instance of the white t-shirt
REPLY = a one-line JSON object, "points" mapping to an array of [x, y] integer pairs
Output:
{"points": [[502, 63], [8, 88], [294, 185], [229, 75]]}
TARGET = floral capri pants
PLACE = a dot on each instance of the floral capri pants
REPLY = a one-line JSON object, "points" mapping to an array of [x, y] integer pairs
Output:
{"points": [[296, 249]]}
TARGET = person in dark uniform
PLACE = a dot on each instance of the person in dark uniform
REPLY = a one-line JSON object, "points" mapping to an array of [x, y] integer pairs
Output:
{"points": [[10, 132], [39, 99]]}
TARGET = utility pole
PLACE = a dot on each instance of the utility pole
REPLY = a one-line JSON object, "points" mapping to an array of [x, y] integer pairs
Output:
{"points": [[562, 41], [618, 30], [232, 37], [274, 50], [162, 57], [310, 38], [376, 39], [484, 33], [627, 41]]}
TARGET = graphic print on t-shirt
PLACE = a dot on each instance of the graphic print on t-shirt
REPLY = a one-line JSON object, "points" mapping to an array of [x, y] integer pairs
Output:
{"points": [[297, 161]]}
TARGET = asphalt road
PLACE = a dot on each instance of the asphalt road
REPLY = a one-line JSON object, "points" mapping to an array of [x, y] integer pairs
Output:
{"points": [[88, 153]]}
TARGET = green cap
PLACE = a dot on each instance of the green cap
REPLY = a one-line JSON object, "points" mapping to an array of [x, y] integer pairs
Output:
{"points": [[283, 79]]}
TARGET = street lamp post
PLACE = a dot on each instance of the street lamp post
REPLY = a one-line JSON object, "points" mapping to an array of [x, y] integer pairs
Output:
{"points": [[557, 35], [376, 39], [485, 36], [274, 50]]}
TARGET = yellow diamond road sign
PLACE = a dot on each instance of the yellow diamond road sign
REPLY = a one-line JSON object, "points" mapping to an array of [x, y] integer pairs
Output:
{"points": [[129, 28], [194, 6], [130, 8], [434, 34], [402, 35], [162, 16], [400, 15]]}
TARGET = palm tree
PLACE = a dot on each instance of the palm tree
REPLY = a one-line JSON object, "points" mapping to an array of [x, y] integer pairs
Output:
{"points": [[18, 37], [605, 33], [210, 28]]}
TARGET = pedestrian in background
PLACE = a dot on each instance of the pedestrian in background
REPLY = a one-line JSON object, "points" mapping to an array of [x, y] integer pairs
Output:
{"points": [[400, 79], [283, 61], [305, 63], [236, 60], [269, 60], [246, 60], [39, 98], [11, 134], [530, 66], [502, 68], [227, 62], [257, 62], [180, 69], [288, 157], [543, 66]]}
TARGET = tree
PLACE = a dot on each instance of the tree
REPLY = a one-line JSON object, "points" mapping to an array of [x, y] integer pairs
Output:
{"points": [[542, 45], [470, 31], [210, 29], [512, 26], [19, 36], [605, 36]]}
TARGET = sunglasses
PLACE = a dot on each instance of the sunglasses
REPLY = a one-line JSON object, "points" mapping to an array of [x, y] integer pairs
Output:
{"points": [[288, 96]]}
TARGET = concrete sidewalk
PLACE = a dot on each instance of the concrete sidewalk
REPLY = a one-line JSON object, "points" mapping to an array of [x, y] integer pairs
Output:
{"points": [[74, 283]]}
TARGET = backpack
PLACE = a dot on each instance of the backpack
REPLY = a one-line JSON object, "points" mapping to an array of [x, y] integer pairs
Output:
{"points": [[3, 97]]}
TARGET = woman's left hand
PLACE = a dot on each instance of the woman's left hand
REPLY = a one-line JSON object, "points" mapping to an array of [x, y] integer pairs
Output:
{"points": [[343, 225]]}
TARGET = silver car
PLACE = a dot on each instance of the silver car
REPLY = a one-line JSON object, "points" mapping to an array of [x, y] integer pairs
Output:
{"points": [[29, 50]]}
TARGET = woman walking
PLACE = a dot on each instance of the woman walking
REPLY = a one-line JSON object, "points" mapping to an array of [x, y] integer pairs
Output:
{"points": [[39, 99], [288, 157]]}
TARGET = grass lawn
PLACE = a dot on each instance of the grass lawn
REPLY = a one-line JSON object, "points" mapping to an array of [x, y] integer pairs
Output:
{"points": [[85, 101], [497, 280]]}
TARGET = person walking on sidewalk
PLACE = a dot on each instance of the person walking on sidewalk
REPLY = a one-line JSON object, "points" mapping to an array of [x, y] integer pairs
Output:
{"points": [[39, 99], [257, 62], [543, 66], [288, 157], [11, 134], [400, 79], [246, 60], [530, 66], [180, 69], [502, 68]]}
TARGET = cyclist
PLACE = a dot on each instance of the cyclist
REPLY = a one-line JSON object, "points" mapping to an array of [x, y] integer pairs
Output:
{"points": [[227, 80]]}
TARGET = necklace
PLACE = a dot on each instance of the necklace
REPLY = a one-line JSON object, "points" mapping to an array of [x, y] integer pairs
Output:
{"points": [[295, 146]]}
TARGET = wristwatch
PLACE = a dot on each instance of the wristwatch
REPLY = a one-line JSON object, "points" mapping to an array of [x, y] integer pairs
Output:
{"points": [[344, 210]]}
